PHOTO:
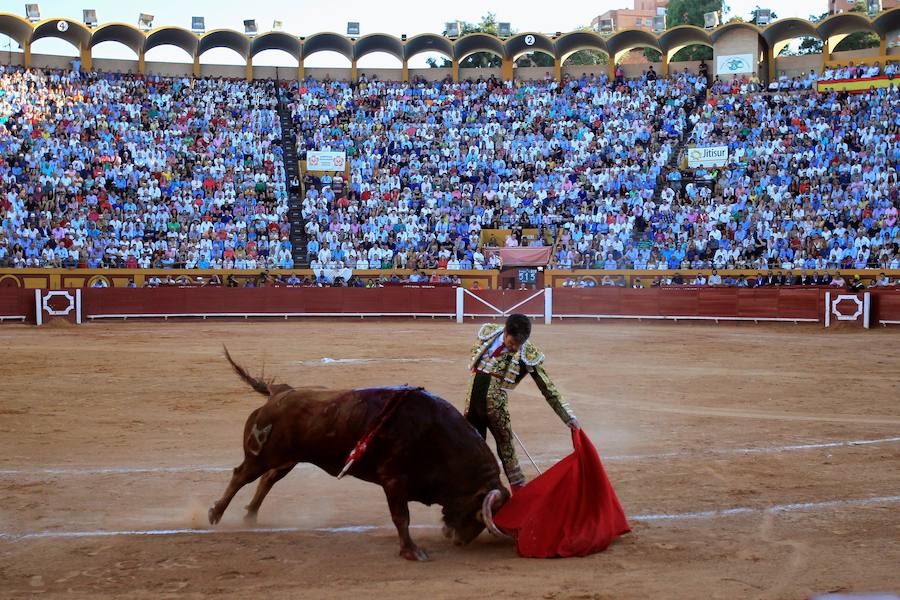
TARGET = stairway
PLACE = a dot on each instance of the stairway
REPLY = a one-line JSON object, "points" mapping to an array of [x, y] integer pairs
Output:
{"points": [[291, 169]]}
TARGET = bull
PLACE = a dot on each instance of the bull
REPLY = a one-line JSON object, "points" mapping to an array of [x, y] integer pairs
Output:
{"points": [[425, 452]]}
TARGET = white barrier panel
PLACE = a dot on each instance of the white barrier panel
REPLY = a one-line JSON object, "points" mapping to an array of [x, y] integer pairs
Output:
{"points": [[65, 304], [847, 308]]}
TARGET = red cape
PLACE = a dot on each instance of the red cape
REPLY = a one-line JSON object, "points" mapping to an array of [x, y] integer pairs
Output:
{"points": [[571, 510]]}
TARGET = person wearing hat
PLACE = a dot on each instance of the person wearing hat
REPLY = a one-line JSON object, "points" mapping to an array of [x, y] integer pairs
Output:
{"points": [[501, 357]]}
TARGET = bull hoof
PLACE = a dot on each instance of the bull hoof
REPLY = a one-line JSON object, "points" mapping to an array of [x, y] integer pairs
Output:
{"points": [[447, 531], [213, 516], [250, 518], [414, 553]]}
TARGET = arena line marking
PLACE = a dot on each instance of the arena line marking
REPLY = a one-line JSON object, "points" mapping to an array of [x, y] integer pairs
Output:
{"points": [[756, 450], [705, 514], [620, 457], [324, 361]]}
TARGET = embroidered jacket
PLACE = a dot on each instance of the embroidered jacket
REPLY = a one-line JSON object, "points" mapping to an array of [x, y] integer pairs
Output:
{"points": [[510, 368]]}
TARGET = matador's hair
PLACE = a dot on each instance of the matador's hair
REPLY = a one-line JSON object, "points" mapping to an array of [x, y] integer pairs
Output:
{"points": [[519, 327]]}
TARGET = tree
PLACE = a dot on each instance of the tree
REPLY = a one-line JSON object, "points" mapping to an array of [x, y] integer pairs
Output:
{"points": [[488, 24], [535, 59], [861, 40], [588, 57], [810, 45], [690, 12]]}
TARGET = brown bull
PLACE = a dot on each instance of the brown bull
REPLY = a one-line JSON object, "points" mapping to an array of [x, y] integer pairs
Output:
{"points": [[425, 451]]}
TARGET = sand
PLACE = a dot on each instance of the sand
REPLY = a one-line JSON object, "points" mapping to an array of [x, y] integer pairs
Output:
{"points": [[113, 433]]}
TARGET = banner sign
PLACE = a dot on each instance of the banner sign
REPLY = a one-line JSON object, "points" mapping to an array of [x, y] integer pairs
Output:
{"points": [[325, 161], [732, 64], [854, 86], [709, 156]]}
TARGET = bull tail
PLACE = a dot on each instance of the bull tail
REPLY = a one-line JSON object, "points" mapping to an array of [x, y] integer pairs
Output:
{"points": [[258, 385]]}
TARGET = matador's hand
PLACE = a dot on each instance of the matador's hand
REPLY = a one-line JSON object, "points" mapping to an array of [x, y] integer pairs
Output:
{"points": [[574, 425]]}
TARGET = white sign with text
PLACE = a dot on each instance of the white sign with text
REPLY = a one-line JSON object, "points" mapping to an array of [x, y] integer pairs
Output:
{"points": [[709, 156], [317, 160]]}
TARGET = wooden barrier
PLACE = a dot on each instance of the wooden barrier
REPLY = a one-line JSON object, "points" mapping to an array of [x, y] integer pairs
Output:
{"points": [[790, 304]]}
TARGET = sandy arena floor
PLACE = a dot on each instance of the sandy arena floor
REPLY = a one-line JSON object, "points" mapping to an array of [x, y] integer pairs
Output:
{"points": [[111, 434]]}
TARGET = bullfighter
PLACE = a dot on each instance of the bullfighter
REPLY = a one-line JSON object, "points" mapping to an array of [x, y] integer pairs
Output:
{"points": [[501, 357]]}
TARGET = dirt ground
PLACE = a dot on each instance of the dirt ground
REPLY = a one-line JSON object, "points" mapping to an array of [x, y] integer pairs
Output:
{"points": [[115, 438]]}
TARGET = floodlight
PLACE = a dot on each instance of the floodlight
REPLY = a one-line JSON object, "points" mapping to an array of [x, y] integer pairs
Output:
{"points": [[250, 27], [145, 21], [352, 27], [198, 25], [33, 12], [89, 16]]}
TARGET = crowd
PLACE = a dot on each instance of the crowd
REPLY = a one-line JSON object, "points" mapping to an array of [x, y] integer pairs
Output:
{"points": [[321, 279], [811, 183], [748, 84], [433, 164], [113, 170], [852, 71], [714, 279], [108, 170]]}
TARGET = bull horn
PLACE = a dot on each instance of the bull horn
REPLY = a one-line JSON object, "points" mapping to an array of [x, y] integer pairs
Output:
{"points": [[487, 507]]}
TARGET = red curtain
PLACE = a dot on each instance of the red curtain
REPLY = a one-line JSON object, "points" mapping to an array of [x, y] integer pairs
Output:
{"points": [[570, 510]]}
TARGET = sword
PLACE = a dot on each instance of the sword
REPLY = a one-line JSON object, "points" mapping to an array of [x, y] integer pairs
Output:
{"points": [[524, 449]]}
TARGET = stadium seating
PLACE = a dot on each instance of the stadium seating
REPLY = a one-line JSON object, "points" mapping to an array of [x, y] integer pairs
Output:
{"points": [[115, 170]]}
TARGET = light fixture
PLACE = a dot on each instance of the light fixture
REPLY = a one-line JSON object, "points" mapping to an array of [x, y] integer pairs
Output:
{"points": [[250, 27], [277, 25], [763, 16], [711, 19], [504, 30], [145, 21], [402, 37], [659, 23], [352, 27], [89, 16], [33, 12], [452, 29], [198, 25]]}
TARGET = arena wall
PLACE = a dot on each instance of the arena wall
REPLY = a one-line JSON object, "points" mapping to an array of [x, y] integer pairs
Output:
{"points": [[737, 41], [806, 305], [795, 66], [789, 65], [431, 74], [334, 74], [575, 71], [382, 74]]}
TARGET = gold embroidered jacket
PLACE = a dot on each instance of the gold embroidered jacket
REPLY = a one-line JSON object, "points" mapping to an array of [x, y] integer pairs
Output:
{"points": [[509, 369]]}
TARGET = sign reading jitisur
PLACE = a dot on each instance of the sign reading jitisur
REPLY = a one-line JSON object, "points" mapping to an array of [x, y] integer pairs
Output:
{"points": [[709, 156]]}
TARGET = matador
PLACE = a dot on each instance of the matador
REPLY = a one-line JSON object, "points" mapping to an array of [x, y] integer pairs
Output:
{"points": [[501, 357]]}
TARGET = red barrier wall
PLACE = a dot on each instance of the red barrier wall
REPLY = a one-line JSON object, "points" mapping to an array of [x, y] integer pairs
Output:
{"points": [[886, 305], [788, 304], [241, 301], [16, 302], [681, 302]]}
